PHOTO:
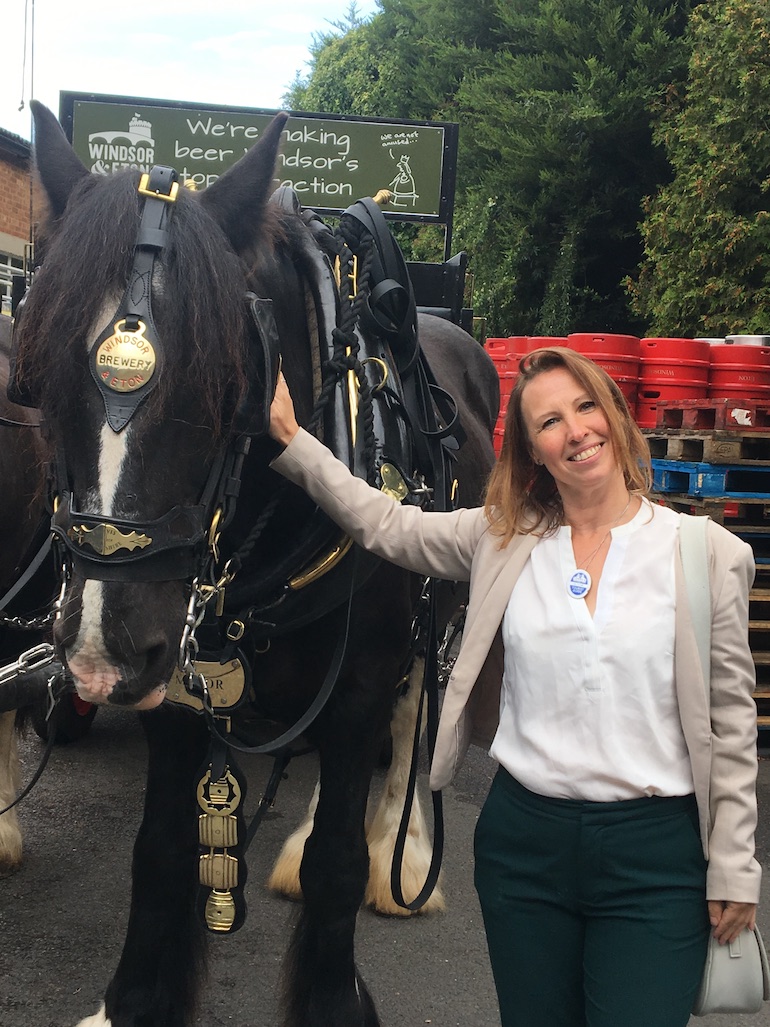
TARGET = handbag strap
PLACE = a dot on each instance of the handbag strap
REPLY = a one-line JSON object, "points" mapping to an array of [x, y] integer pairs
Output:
{"points": [[694, 553]]}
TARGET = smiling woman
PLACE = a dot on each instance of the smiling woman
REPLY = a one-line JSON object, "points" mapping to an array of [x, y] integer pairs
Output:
{"points": [[570, 437], [620, 826], [572, 431]]}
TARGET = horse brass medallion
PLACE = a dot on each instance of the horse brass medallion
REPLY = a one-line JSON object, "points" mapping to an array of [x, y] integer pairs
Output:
{"points": [[125, 361]]}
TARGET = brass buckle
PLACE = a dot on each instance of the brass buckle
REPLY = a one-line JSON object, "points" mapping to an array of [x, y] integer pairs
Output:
{"points": [[169, 197]]}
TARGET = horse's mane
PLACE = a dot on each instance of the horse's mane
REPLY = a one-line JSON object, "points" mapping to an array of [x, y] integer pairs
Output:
{"points": [[88, 259]]}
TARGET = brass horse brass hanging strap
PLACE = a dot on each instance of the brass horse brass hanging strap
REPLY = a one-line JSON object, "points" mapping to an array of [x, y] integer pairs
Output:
{"points": [[219, 826]]}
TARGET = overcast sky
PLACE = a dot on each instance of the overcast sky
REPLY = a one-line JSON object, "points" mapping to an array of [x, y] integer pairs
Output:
{"points": [[239, 52]]}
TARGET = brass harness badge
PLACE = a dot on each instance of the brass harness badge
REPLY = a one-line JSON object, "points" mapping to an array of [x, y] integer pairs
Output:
{"points": [[126, 360]]}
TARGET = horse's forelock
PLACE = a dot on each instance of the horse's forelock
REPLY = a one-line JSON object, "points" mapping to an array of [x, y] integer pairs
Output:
{"points": [[86, 257], [200, 314]]}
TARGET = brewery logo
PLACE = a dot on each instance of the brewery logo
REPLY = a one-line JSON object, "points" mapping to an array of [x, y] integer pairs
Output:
{"points": [[134, 148]]}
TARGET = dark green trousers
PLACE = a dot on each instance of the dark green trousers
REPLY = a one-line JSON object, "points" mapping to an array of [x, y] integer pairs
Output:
{"points": [[595, 912]]}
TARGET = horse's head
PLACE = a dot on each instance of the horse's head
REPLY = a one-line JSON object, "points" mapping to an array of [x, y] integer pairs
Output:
{"points": [[137, 343]]}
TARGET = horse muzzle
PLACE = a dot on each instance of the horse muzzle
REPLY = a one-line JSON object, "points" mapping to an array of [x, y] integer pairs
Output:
{"points": [[116, 646], [102, 683]]}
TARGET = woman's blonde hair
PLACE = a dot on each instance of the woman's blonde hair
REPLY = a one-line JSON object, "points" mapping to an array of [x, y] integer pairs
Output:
{"points": [[522, 495]]}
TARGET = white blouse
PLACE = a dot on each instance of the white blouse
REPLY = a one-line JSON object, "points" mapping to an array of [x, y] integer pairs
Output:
{"points": [[588, 708]]}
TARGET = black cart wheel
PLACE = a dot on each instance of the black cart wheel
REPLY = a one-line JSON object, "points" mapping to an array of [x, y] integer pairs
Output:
{"points": [[75, 717]]}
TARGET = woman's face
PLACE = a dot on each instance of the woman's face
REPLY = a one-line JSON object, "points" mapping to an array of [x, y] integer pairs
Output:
{"points": [[568, 432]]}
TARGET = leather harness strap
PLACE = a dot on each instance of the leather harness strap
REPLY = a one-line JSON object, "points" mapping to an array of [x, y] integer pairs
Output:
{"points": [[391, 312], [32, 567]]}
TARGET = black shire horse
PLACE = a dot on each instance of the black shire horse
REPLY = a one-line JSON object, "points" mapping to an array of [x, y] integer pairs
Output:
{"points": [[151, 368], [24, 618]]}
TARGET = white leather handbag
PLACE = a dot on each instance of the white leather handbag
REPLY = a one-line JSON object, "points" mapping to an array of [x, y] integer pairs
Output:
{"points": [[735, 977]]}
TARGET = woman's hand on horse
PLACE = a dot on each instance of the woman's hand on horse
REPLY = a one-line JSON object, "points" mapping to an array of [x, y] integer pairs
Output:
{"points": [[283, 422]]}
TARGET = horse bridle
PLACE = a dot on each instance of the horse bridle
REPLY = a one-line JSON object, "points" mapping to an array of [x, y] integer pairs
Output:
{"points": [[125, 363]]}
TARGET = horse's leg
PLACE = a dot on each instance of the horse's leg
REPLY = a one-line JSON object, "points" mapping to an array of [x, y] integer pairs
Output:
{"points": [[382, 832], [323, 986], [155, 984], [10, 833], [284, 878]]}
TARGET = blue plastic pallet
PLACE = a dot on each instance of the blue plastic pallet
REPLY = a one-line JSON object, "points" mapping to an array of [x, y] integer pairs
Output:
{"points": [[734, 481]]}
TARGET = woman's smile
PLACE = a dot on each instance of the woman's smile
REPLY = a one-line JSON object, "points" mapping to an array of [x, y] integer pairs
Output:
{"points": [[586, 454]]}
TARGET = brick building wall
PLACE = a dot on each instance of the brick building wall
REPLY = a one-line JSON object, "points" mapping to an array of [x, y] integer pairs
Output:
{"points": [[14, 198], [14, 210]]}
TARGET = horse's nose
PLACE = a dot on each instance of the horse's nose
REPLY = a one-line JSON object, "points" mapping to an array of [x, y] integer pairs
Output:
{"points": [[116, 646], [102, 677]]}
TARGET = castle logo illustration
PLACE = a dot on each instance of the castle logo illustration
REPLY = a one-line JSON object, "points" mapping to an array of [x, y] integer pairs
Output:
{"points": [[134, 148]]}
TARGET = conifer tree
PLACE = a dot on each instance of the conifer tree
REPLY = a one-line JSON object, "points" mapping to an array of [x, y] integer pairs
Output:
{"points": [[707, 233], [555, 99]]}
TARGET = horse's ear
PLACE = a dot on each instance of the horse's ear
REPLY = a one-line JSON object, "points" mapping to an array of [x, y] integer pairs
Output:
{"points": [[237, 199], [58, 166]]}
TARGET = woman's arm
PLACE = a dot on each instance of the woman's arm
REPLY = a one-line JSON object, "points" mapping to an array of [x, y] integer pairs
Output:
{"points": [[436, 544], [733, 873]]}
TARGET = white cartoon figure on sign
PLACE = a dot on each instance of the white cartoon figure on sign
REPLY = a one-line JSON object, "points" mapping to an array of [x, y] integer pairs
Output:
{"points": [[402, 187]]}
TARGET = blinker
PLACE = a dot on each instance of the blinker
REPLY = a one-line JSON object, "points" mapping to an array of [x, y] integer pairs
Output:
{"points": [[252, 416]]}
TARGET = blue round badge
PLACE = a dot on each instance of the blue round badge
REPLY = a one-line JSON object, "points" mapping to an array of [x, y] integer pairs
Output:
{"points": [[579, 584]]}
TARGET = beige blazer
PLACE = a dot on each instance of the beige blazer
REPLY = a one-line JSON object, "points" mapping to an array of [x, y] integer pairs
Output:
{"points": [[458, 546]]}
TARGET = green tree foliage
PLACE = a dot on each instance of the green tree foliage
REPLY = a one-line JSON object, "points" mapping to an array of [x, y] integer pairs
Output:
{"points": [[707, 233], [555, 100], [406, 62], [563, 156]]}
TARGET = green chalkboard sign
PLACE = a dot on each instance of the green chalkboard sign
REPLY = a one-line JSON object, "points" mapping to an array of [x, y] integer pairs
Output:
{"points": [[330, 160]]}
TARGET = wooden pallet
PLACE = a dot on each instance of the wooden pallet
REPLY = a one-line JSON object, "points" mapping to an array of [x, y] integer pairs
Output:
{"points": [[717, 447], [743, 514], [702, 414], [758, 535], [728, 481]]}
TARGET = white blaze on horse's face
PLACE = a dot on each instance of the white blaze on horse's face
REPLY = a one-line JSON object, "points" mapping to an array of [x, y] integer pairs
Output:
{"points": [[95, 674]]}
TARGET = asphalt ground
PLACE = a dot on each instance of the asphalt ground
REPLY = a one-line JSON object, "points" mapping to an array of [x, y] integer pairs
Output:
{"points": [[63, 916]]}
